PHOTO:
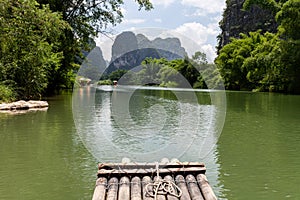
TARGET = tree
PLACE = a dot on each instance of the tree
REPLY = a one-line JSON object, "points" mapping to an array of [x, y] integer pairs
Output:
{"points": [[149, 74], [272, 5], [231, 59], [116, 75], [90, 17], [29, 41], [184, 72], [289, 19], [287, 14], [87, 18], [200, 58], [264, 68]]}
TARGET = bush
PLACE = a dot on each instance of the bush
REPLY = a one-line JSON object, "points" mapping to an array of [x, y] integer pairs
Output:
{"points": [[105, 82], [6, 94]]}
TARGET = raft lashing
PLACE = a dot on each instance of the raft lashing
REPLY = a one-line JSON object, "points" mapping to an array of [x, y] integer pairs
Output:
{"points": [[153, 181]]}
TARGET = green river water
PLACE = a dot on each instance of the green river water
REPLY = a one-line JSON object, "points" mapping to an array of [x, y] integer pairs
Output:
{"points": [[256, 156]]}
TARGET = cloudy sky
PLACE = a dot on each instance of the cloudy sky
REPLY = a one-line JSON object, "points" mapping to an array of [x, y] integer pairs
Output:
{"points": [[196, 20]]}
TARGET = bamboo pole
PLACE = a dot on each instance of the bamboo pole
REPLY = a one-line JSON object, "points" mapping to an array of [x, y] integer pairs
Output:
{"points": [[146, 180], [136, 188], [112, 193], [143, 171], [205, 187], [193, 188], [100, 189], [180, 181], [124, 189]]}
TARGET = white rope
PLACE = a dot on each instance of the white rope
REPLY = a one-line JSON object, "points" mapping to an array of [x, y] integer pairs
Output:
{"points": [[162, 187]]}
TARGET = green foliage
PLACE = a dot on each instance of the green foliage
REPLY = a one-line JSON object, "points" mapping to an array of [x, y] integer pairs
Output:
{"points": [[105, 82], [289, 19], [90, 17], [6, 94], [116, 75], [41, 41], [107, 79], [87, 19], [185, 73], [251, 63], [268, 62], [266, 4], [29, 42], [231, 58]]}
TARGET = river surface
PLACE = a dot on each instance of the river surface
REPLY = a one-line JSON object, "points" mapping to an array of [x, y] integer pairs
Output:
{"points": [[53, 154]]}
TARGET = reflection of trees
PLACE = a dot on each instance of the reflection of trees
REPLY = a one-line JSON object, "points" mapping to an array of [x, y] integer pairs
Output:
{"points": [[44, 144], [261, 130]]}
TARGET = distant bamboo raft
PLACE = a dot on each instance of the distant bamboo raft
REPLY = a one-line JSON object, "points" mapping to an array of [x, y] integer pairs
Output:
{"points": [[153, 181]]}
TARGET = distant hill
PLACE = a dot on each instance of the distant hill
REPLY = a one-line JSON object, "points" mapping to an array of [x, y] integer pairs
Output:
{"points": [[236, 20], [129, 50], [134, 58], [168, 44], [124, 42], [93, 65]]}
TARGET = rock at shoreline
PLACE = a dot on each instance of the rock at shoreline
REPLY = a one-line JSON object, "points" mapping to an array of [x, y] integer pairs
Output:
{"points": [[24, 105]]}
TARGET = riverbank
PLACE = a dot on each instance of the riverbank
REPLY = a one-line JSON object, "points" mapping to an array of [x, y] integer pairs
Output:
{"points": [[23, 105]]}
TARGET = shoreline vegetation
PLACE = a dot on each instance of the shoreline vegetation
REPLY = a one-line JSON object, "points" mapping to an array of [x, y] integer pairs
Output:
{"points": [[42, 45], [42, 42]]}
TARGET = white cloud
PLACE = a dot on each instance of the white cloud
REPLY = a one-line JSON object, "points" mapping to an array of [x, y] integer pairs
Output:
{"points": [[133, 21], [105, 43], [196, 31], [158, 20], [210, 52], [194, 37], [205, 7], [162, 2]]}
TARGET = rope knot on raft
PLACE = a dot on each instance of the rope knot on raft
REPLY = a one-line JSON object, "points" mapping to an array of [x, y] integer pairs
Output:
{"points": [[162, 187]]}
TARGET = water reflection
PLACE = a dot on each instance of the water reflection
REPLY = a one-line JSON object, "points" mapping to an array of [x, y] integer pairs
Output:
{"points": [[145, 125], [148, 124], [259, 147]]}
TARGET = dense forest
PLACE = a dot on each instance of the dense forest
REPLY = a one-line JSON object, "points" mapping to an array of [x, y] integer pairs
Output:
{"points": [[264, 61], [42, 42]]}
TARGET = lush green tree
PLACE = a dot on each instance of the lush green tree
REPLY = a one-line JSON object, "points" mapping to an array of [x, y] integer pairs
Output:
{"points": [[253, 63], [264, 68], [6, 93], [116, 75], [42, 43], [149, 74], [231, 59], [273, 5], [186, 72], [29, 40], [87, 18], [200, 58], [289, 19], [105, 82], [90, 17], [268, 62]]}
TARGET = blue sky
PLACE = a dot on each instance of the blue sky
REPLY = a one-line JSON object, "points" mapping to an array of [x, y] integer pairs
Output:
{"points": [[195, 19]]}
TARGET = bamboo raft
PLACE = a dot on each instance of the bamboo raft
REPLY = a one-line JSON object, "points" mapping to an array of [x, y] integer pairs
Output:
{"points": [[153, 181]]}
